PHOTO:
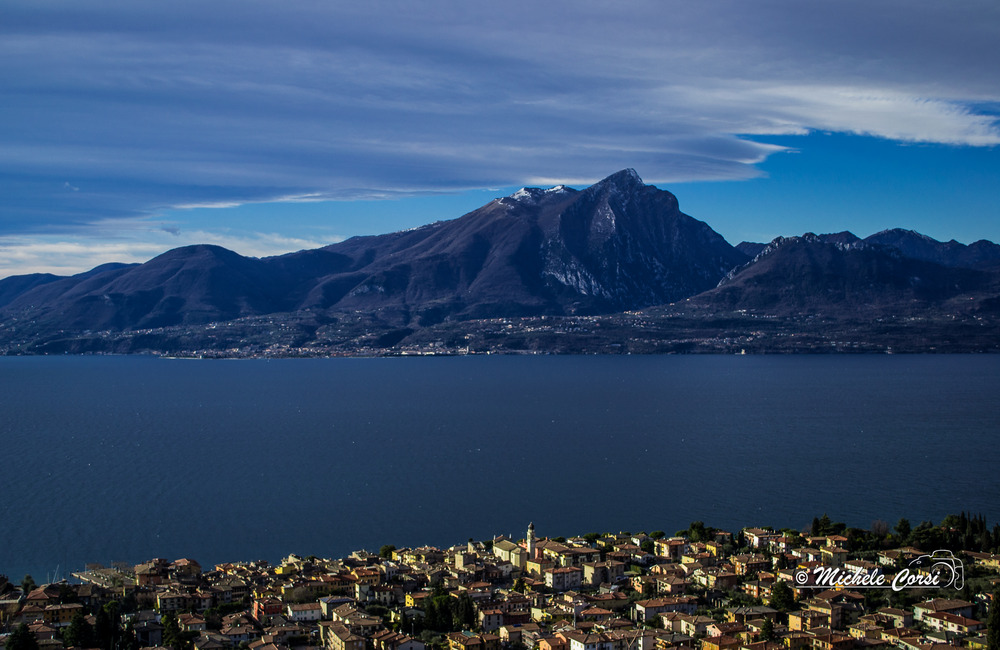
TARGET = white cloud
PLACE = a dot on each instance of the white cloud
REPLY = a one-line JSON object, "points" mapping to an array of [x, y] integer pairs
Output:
{"points": [[124, 241]]}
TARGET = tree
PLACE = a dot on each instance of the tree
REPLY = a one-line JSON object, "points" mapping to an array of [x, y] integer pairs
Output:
{"points": [[825, 524], [105, 625], [782, 598], [21, 638], [465, 612], [993, 623], [79, 633], [903, 529], [386, 551], [28, 584], [657, 534], [767, 630], [67, 594], [172, 632]]}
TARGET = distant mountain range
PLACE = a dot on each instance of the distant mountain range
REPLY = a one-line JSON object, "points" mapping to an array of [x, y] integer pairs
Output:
{"points": [[617, 246]]}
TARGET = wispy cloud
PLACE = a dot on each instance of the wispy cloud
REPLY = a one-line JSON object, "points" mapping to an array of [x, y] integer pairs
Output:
{"points": [[187, 104], [61, 256]]}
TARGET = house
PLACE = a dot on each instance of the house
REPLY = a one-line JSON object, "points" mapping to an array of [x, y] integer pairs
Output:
{"points": [[595, 573], [148, 633], [672, 548], [945, 622], [238, 634], [389, 640], [833, 556], [62, 615], [490, 620], [943, 605], [807, 619], [264, 608], [832, 641], [759, 537], [185, 569], [171, 601], [564, 578], [720, 643], [580, 640], [747, 563], [469, 641], [744, 614], [508, 551], [899, 617], [304, 612], [337, 637], [646, 610], [192, 622], [695, 625], [715, 578]]}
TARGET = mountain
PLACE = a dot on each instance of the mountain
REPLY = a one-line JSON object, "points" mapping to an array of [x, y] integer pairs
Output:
{"points": [[617, 245], [980, 254], [840, 275], [750, 248]]}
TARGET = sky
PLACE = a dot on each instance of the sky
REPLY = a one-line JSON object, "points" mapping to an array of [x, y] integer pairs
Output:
{"points": [[266, 127]]}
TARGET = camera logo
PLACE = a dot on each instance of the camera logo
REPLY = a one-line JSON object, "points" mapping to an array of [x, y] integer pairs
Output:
{"points": [[941, 568]]}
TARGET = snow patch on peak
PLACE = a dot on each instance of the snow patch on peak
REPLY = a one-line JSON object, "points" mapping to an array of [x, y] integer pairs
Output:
{"points": [[902, 231], [532, 195], [634, 175]]}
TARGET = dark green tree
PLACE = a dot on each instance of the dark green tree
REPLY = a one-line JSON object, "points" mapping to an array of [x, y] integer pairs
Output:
{"points": [[657, 534], [386, 550], [465, 613], [104, 627], [825, 524], [67, 594], [172, 637], [767, 630], [79, 633], [903, 529], [431, 615], [782, 597], [28, 584], [993, 623], [21, 638]]}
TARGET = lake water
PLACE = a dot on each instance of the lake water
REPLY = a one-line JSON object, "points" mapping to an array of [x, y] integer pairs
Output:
{"points": [[128, 458]]}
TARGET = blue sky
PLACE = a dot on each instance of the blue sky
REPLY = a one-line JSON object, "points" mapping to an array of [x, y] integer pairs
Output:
{"points": [[267, 127]]}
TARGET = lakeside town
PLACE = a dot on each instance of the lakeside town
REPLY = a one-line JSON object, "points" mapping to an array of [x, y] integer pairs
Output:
{"points": [[827, 588]]}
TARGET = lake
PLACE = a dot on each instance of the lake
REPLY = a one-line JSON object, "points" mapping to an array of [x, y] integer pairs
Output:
{"points": [[129, 458]]}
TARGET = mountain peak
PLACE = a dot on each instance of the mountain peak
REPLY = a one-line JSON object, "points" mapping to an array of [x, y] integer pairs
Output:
{"points": [[534, 194], [624, 178]]}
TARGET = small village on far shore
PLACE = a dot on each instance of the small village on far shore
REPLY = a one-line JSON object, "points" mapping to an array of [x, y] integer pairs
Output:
{"points": [[831, 587]]}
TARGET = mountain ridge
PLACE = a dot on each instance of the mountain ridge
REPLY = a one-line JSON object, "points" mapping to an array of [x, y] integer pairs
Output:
{"points": [[618, 246]]}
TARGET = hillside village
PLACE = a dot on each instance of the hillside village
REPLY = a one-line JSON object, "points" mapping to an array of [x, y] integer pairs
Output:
{"points": [[701, 589]]}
